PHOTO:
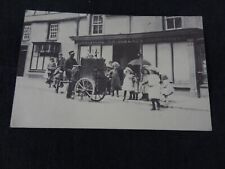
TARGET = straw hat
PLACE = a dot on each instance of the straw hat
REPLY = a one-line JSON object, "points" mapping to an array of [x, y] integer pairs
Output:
{"points": [[115, 64], [127, 69]]}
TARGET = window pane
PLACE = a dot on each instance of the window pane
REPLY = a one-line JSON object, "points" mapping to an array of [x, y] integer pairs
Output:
{"points": [[181, 62], [178, 22], [46, 48], [84, 50], [100, 29], [100, 19], [46, 62], [40, 62], [170, 24], [165, 59], [34, 62], [96, 51], [95, 29], [95, 19]]}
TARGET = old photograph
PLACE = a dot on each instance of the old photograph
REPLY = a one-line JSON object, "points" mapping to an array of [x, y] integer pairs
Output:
{"points": [[100, 71]]}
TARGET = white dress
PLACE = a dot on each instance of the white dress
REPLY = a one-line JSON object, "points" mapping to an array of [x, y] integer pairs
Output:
{"points": [[166, 88], [128, 83], [153, 87], [144, 86]]}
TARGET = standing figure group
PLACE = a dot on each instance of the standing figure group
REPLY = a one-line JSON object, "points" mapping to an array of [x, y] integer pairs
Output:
{"points": [[130, 84]]}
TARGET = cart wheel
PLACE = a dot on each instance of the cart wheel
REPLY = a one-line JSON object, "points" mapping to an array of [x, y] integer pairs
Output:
{"points": [[97, 97], [84, 87]]}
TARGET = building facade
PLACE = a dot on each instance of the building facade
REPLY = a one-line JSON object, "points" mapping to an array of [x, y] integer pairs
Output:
{"points": [[45, 35], [174, 44]]}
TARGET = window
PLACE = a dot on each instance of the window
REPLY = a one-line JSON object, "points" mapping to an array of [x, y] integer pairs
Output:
{"points": [[26, 32], [97, 24], [53, 31], [173, 22], [41, 54]]}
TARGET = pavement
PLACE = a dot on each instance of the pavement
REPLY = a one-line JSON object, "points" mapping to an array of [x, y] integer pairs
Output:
{"points": [[180, 99], [37, 106]]}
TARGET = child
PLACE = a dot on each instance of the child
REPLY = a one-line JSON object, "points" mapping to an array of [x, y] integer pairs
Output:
{"points": [[128, 82], [135, 87], [143, 87], [153, 88], [166, 88]]}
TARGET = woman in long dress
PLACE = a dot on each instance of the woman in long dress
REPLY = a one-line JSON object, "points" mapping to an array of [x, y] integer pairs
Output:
{"points": [[115, 81]]}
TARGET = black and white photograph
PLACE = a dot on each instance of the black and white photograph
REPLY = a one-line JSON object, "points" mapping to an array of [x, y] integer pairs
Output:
{"points": [[100, 71]]}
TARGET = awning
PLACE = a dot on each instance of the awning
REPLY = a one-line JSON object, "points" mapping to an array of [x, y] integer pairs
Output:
{"points": [[149, 37]]}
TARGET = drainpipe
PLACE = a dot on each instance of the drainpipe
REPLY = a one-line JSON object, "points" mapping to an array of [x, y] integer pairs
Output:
{"points": [[130, 18]]}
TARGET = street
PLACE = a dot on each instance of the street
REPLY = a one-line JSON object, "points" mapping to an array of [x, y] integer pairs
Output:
{"points": [[37, 106]]}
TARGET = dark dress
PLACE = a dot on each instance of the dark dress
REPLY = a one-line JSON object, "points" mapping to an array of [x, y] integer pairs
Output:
{"points": [[115, 81]]}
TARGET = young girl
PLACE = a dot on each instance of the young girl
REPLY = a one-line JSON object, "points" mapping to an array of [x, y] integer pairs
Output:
{"points": [[166, 89], [128, 82], [153, 88], [135, 87]]}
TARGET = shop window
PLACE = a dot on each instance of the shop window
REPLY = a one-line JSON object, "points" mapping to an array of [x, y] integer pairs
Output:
{"points": [[96, 51], [41, 54], [97, 24], [53, 31], [26, 32], [173, 22]]}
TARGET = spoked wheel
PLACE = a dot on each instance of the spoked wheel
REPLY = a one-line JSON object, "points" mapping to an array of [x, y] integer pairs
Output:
{"points": [[84, 87], [97, 97]]}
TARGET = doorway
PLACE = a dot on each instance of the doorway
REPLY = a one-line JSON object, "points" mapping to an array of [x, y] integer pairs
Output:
{"points": [[22, 60], [124, 53]]}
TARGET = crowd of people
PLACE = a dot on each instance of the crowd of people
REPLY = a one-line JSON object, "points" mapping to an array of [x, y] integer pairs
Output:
{"points": [[135, 81], [147, 81]]}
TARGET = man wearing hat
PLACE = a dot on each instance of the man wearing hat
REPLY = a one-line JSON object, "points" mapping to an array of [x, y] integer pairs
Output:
{"points": [[73, 80], [69, 64]]}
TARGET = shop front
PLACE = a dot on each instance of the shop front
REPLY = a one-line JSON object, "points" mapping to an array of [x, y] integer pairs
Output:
{"points": [[173, 52]]}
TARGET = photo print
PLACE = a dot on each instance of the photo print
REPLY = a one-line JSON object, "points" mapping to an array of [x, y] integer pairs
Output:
{"points": [[100, 71]]}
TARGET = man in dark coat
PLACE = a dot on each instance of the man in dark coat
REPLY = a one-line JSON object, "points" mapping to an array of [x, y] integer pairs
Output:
{"points": [[61, 62], [69, 64]]}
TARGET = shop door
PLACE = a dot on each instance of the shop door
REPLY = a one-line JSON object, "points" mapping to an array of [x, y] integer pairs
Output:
{"points": [[124, 53], [201, 64], [22, 60]]}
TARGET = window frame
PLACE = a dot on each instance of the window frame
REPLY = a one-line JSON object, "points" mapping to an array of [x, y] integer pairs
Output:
{"points": [[50, 31], [98, 24], [27, 34], [174, 25], [39, 48]]}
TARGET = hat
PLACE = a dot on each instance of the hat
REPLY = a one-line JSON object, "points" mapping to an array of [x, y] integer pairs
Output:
{"points": [[71, 52], [127, 69], [115, 64]]}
